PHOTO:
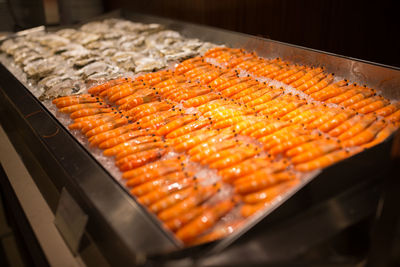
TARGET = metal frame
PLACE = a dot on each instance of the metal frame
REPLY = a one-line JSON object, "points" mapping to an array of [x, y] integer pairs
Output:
{"points": [[121, 228]]}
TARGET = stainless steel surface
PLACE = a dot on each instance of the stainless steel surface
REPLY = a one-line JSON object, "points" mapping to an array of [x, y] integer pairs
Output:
{"points": [[70, 220], [123, 230]]}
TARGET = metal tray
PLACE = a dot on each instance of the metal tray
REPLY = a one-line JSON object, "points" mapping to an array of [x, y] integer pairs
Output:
{"points": [[126, 233]]}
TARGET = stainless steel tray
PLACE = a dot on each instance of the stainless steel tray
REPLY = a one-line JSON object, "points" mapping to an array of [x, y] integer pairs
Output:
{"points": [[121, 228]]}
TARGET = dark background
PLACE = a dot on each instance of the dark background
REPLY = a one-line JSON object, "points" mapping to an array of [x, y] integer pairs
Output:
{"points": [[362, 29]]}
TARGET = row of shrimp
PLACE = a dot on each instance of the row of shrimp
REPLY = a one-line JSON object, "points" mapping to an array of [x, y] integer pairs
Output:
{"points": [[314, 82], [255, 139]]}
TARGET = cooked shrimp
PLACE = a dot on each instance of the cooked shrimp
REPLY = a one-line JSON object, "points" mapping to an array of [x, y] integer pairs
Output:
{"points": [[199, 195], [205, 221], [328, 159], [261, 179]]}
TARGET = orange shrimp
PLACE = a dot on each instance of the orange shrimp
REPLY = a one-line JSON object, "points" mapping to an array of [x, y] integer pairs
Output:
{"points": [[296, 112], [96, 116], [394, 117], [308, 116], [329, 114], [140, 147], [296, 141], [260, 180], [92, 123], [335, 88], [360, 96], [139, 159], [192, 142], [195, 125], [181, 220], [268, 129], [307, 77], [263, 72], [212, 141], [219, 232], [205, 221], [327, 159], [183, 138], [315, 152], [357, 127], [206, 78], [153, 75], [99, 88], [265, 97], [156, 169], [382, 135], [243, 168], [71, 100], [231, 82], [111, 142], [163, 192], [288, 73], [153, 109], [389, 109], [364, 102], [237, 88], [229, 122], [270, 193], [183, 97], [223, 153], [212, 149], [294, 77], [288, 108], [349, 94], [255, 127], [199, 100], [275, 139], [248, 210], [89, 111], [255, 91], [199, 195], [261, 166], [330, 92], [308, 84], [175, 124], [336, 121], [139, 140], [235, 158], [171, 199], [223, 79], [320, 85], [373, 106], [137, 100], [107, 126], [367, 135], [147, 185], [77, 107], [124, 90], [240, 126], [345, 126], [304, 147], [160, 121], [99, 138]]}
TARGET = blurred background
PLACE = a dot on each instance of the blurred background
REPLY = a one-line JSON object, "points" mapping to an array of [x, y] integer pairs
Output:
{"points": [[362, 29]]}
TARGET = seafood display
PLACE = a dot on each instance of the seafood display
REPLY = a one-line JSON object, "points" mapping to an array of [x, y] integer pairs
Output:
{"points": [[65, 62], [221, 137]]}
